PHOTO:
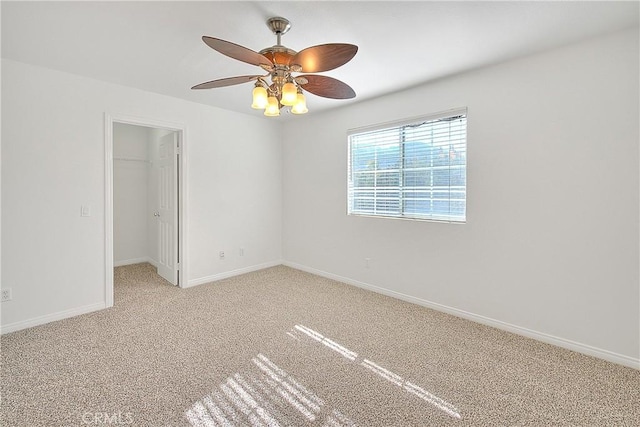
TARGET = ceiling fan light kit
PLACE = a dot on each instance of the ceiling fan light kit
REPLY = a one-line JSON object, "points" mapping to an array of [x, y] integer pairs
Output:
{"points": [[279, 87], [300, 106]]}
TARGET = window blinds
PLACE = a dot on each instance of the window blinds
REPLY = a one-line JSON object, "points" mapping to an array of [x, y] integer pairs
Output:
{"points": [[412, 170]]}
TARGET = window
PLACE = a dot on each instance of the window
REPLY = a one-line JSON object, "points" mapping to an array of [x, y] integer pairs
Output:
{"points": [[416, 169]]}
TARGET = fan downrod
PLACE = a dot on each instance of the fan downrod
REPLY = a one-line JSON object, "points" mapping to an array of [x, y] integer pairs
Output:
{"points": [[279, 26]]}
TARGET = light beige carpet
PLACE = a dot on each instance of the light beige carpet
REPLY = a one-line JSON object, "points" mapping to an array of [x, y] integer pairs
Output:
{"points": [[283, 347]]}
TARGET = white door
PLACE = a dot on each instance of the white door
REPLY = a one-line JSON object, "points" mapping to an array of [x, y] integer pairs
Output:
{"points": [[167, 214]]}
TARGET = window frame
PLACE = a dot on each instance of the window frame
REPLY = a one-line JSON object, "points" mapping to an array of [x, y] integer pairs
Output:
{"points": [[398, 125]]}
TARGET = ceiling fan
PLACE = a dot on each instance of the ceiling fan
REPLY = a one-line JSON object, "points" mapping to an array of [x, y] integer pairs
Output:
{"points": [[279, 87]]}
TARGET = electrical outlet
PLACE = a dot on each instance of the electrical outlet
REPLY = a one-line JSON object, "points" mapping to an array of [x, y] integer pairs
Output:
{"points": [[6, 294], [367, 263], [241, 251], [221, 254]]}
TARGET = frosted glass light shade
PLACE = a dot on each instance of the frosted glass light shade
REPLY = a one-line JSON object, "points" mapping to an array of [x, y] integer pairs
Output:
{"points": [[289, 94], [300, 106], [273, 109], [259, 98]]}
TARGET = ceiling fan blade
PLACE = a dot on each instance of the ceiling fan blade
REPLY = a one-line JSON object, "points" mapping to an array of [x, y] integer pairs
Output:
{"points": [[324, 57], [236, 51], [229, 81], [327, 87]]}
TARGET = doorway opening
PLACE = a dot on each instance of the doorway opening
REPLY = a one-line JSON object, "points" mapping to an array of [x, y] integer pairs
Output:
{"points": [[145, 203]]}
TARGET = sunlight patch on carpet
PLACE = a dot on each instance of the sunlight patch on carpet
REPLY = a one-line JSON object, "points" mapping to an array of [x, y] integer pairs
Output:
{"points": [[263, 399], [351, 355], [388, 375]]}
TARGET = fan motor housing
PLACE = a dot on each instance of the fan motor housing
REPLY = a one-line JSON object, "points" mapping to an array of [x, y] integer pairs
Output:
{"points": [[279, 55]]}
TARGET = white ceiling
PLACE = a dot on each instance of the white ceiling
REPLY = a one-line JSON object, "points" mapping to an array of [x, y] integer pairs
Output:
{"points": [[157, 46]]}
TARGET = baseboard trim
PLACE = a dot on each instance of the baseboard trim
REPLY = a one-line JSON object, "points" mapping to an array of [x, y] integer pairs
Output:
{"points": [[529, 333], [227, 274], [135, 261], [60, 315]]}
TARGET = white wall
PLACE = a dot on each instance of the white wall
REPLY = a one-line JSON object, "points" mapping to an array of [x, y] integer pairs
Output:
{"points": [[53, 162], [131, 169], [550, 246]]}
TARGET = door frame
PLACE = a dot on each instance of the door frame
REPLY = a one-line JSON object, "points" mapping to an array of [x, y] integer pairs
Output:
{"points": [[181, 130]]}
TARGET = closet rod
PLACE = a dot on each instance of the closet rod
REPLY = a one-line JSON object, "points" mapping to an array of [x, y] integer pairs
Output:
{"points": [[126, 159]]}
